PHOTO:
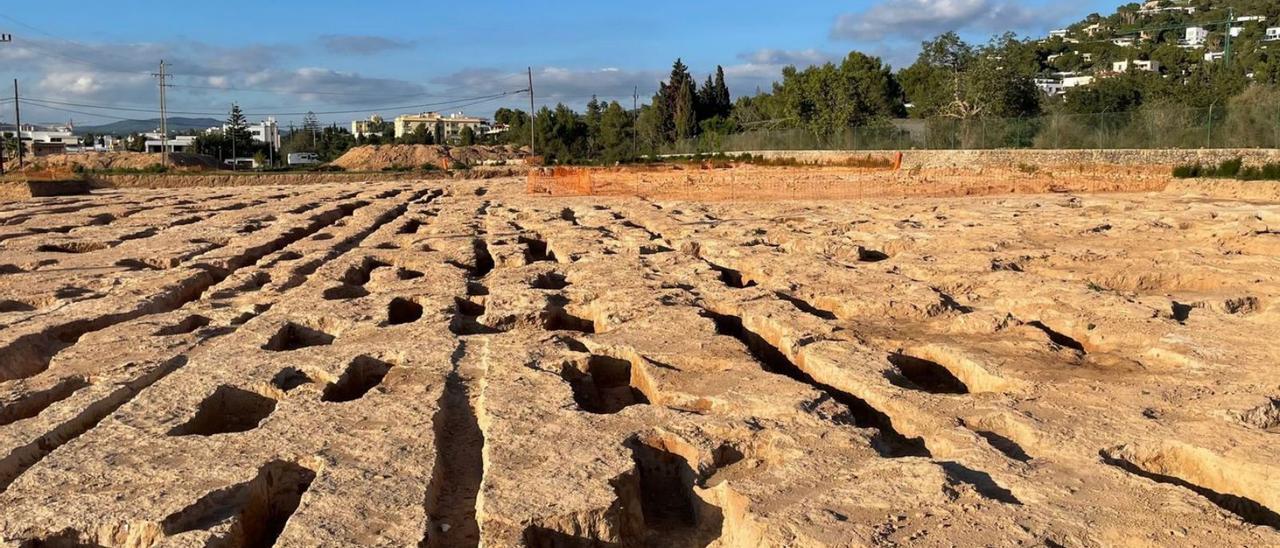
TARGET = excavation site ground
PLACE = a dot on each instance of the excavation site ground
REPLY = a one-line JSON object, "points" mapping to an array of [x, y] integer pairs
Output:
{"points": [[459, 363]]}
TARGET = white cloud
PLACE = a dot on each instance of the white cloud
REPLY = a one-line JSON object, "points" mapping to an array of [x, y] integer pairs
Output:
{"points": [[778, 57], [206, 78], [556, 84], [916, 19], [356, 44]]}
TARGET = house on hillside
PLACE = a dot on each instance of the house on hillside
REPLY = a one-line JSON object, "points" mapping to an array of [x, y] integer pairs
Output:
{"points": [[1076, 81], [1124, 66], [1196, 37], [1273, 34], [1050, 86]]}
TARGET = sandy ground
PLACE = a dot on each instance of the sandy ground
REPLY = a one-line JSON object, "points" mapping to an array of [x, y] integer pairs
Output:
{"points": [[452, 363]]}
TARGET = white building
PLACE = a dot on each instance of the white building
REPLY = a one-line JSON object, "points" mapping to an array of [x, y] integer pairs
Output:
{"points": [[1076, 81], [266, 131], [1058, 33], [1196, 36], [1124, 42], [1273, 33], [41, 140], [155, 142], [1050, 87], [443, 128], [365, 128], [1215, 56], [1124, 66]]}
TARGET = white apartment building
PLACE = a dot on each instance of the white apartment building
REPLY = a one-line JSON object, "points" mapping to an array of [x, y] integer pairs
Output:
{"points": [[364, 128], [266, 131], [443, 128]]}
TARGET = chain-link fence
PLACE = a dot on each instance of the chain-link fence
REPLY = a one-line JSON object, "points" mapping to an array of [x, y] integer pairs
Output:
{"points": [[1220, 126]]}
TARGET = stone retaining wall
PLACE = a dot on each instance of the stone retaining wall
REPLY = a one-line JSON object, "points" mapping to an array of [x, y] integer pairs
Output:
{"points": [[249, 179], [1076, 160]]}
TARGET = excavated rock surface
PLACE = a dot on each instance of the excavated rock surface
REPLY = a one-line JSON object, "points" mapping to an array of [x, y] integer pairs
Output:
{"points": [[105, 161], [452, 363], [380, 157]]}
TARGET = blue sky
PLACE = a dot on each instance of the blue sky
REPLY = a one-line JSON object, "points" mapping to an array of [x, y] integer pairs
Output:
{"points": [[286, 57]]}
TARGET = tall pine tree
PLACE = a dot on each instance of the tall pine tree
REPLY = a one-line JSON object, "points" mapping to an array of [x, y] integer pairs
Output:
{"points": [[678, 97], [684, 116], [723, 102]]}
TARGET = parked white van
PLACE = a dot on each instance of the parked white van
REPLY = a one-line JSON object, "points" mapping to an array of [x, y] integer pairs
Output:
{"points": [[303, 158]]}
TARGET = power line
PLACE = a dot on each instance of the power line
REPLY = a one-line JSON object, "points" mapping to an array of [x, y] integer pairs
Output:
{"points": [[455, 103], [315, 92], [71, 111]]}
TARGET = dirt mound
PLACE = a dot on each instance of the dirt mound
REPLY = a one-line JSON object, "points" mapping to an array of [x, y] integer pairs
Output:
{"points": [[384, 157], [107, 161]]}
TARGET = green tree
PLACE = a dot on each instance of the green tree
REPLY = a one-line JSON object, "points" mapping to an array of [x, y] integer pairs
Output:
{"points": [[684, 112], [723, 102], [615, 134], [593, 120], [467, 137], [954, 79], [651, 124], [237, 132], [678, 96]]}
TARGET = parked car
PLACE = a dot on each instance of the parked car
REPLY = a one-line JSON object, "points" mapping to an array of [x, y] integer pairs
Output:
{"points": [[240, 163]]}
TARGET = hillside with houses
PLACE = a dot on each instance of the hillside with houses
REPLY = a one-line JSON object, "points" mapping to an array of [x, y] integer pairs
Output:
{"points": [[1166, 37]]}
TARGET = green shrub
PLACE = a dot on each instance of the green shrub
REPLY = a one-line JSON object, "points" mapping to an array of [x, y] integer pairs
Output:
{"points": [[1229, 168], [1186, 171]]}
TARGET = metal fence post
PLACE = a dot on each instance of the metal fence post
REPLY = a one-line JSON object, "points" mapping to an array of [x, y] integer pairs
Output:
{"points": [[1208, 140]]}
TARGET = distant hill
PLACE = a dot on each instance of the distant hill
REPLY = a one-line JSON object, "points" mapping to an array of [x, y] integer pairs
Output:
{"points": [[129, 127]]}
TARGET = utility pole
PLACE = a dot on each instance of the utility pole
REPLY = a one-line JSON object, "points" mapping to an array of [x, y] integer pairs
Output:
{"points": [[1231, 19], [17, 117], [635, 118], [164, 119], [6, 38], [533, 145], [235, 162]]}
